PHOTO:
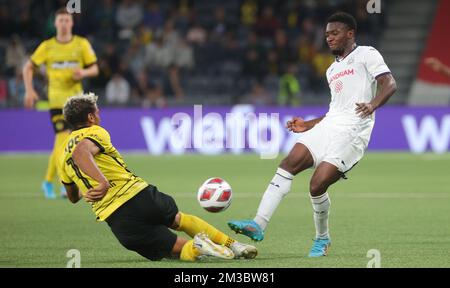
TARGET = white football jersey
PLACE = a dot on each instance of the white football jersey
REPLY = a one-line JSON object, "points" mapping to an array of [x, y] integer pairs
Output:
{"points": [[353, 80]]}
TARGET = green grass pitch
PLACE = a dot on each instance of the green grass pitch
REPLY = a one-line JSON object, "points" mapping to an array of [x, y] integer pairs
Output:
{"points": [[397, 203]]}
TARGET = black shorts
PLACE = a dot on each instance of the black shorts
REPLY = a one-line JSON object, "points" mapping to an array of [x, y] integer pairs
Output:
{"points": [[58, 122], [141, 224]]}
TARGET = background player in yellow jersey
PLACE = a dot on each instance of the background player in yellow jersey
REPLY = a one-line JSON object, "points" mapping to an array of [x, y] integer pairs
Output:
{"points": [[139, 215], [68, 59]]}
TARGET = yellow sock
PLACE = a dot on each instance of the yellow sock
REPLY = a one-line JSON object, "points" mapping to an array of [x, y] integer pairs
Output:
{"points": [[51, 169], [54, 156], [189, 253], [192, 225]]}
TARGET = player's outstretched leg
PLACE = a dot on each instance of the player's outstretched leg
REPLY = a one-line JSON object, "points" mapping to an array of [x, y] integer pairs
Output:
{"points": [[193, 225], [275, 192], [199, 247], [206, 247], [298, 160]]}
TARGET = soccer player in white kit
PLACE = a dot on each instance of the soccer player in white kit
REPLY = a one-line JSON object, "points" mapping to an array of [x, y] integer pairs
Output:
{"points": [[360, 82]]}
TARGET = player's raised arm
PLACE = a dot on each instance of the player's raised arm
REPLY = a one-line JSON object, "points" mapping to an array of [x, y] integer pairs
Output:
{"points": [[83, 155], [30, 94], [386, 88]]}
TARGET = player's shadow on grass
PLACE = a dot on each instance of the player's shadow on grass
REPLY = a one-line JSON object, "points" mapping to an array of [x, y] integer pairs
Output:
{"points": [[124, 261], [281, 256], [208, 260]]}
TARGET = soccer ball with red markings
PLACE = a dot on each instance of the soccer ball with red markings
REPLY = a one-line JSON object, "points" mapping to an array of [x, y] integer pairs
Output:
{"points": [[215, 195]]}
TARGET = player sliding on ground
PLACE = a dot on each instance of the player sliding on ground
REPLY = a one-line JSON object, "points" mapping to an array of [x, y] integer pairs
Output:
{"points": [[139, 215], [360, 82]]}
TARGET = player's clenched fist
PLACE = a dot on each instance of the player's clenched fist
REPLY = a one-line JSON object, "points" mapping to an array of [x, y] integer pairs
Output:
{"points": [[297, 125]]}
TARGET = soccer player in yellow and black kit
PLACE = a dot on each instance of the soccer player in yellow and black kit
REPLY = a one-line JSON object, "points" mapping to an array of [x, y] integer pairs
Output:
{"points": [[67, 59], [138, 214]]}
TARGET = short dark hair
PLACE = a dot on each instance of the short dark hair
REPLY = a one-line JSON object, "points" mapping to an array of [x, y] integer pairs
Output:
{"points": [[77, 109], [62, 11], [345, 18]]}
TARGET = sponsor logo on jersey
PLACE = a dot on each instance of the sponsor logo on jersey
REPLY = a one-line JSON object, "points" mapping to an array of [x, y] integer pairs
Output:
{"points": [[65, 65], [338, 86], [341, 74]]}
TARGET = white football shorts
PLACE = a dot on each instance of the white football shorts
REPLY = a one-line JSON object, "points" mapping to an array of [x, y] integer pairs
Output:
{"points": [[339, 145]]}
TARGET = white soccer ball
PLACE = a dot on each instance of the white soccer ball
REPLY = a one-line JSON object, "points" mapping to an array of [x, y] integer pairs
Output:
{"points": [[215, 195]]}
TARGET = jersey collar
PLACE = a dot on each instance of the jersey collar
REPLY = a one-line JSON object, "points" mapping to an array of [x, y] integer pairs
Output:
{"points": [[64, 43], [337, 60], [79, 128]]}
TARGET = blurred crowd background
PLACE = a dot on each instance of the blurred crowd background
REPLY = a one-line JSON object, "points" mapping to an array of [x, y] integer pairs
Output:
{"points": [[180, 52]]}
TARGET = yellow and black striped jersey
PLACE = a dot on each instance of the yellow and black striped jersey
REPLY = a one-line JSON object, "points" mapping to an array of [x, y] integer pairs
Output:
{"points": [[60, 59], [124, 184]]}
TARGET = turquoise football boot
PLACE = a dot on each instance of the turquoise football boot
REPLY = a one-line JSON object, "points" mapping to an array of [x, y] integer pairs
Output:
{"points": [[63, 192], [248, 228], [49, 190], [320, 248]]}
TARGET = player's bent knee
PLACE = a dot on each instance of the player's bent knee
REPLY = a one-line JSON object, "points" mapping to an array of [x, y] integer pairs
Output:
{"points": [[295, 165], [317, 187], [286, 164]]}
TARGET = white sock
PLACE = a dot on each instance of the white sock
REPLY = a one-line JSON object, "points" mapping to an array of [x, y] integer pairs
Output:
{"points": [[321, 206], [277, 189]]}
